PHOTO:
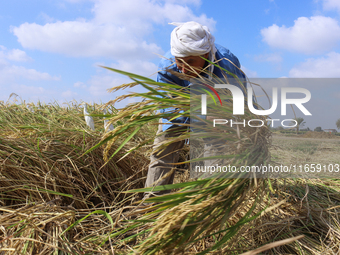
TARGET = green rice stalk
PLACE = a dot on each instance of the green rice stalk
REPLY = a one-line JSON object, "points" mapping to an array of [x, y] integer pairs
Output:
{"points": [[199, 209]]}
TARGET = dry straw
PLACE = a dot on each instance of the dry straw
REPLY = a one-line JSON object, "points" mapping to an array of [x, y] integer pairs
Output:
{"points": [[221, 215], [47, 182], [59, 196], [206, 207]]}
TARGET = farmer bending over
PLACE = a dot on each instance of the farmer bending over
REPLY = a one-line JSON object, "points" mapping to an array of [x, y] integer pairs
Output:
{"points": [[189, 41]]}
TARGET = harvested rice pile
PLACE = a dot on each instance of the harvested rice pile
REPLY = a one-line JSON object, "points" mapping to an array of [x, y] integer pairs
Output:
{"points": [[226, 215], [59, 196], [47, 183], [41, 161]]}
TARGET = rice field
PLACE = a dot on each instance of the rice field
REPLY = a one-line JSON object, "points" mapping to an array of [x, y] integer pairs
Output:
{"points": [[66, 189], [47, 181], [306, 150], [310, 157]]}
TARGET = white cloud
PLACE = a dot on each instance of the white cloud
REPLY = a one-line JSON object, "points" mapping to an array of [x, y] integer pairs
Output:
{"points": [[99, 84], [10, 72], [331, 5], [273, 58], [139, 15], [68, 93], [46, 18], [118, 29], [13, 55], [313, 35], [3, 62], [121, 30], [24, 92], [24, 89], [79, 84], [80, 38], [3, 56], [76, 1], [325, 67], [138, 67], [18, 55], [249, 73], [194, 2]]}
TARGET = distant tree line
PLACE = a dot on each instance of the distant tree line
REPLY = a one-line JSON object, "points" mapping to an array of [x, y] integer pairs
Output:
{"points": [[300, 123]]}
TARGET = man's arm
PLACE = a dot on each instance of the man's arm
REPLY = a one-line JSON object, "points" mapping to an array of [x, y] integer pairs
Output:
{"points": [[168, 63], [231, 63], [166, 77]]}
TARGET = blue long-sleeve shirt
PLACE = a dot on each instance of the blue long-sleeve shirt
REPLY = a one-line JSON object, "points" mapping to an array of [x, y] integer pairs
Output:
{"points": [[169, 63]]}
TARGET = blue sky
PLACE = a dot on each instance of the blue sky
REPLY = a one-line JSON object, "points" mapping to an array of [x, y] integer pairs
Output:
{"points": [[51, 50]]}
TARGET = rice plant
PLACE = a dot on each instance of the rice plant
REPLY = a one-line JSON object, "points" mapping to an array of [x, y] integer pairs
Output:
{"points": [[65, 189], [47, 182], [200, 209], [216, 215]]}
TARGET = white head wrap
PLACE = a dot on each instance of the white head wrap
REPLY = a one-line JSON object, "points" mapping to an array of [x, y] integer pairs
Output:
{"points": [[191, 39]]}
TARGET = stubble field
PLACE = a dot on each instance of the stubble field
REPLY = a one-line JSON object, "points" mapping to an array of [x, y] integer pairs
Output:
{"points": [[315, 157], [57, 197]]}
